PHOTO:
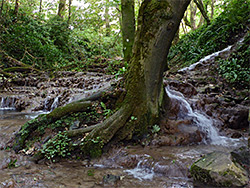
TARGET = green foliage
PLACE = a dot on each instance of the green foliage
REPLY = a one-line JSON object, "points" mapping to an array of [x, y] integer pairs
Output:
{"points": [[58, 146], [28, 40], [12, 163], [92, 147], [122, 70], [56, 44], [155, 129], [235, 69], [214, 37], [91, 172], [106, 112]]}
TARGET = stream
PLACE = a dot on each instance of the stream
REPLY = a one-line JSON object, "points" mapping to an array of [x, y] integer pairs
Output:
{"points": [[132, 166], [157, 166]]}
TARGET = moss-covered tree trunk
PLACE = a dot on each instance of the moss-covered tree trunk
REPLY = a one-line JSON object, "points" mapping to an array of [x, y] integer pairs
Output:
{"points": [[200, 6], [61, 8], [16, 7], [128, 27], [145, 98]]}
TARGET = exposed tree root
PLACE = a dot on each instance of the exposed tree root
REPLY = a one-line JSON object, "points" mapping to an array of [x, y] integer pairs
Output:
{"points": [[20, 69], [12, 61], [58, 113]]}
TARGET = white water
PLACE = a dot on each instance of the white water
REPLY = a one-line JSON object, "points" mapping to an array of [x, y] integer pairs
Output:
{"points": [[141, 172], [209, 57], [7, 103], [55, 103], [204, 123]]}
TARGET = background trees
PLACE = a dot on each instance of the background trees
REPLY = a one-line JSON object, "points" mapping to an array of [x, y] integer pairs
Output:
{"points": [[72, 34]]}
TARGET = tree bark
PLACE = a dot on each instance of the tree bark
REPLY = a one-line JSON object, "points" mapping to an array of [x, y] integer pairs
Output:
{"points": [[1, 8], [212, 8], [61, 8], [40, 6], [146, 98], [106, 15], [70, 2], [200, 6], [193, 11], [128, 27], [16, 7]]}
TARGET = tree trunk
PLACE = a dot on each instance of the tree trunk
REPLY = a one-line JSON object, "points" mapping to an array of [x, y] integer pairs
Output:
{"points": [[40, 6], [145, 98], [106, 15], [203, 11], [70, 2], [16, 7], [128, 27], [61, 8], [1, 8], [193, 11], [212, 8]]}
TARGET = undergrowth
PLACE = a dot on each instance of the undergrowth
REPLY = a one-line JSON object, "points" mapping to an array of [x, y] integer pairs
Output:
{"points": [[223, 31], [52, 44]]}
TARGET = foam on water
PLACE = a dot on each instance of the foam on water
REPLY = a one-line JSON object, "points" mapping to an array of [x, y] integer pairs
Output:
{"points": [[7, 103], [140, 172], [204, 123], [209, 57]]}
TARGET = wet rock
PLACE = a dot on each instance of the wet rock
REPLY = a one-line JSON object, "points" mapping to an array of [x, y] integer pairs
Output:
{"points": [[110, 179], [218, 169], [20, 104], [75, 125], [186, 89], [238, 117], [242, 156]]}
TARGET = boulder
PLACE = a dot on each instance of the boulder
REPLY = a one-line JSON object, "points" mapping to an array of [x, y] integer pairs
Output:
{"points": [[242, 156], [218, 169]]}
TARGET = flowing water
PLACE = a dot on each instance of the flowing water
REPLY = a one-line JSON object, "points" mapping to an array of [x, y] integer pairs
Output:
{"points": [[135, 166], [201, 120], [7, 103]]}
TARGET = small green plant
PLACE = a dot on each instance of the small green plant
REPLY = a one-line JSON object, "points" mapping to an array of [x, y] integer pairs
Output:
{"points": [[155, 129], [133, 118], [106, 112], [122, 71], [58, 146], [12, 163], [91, 172]]}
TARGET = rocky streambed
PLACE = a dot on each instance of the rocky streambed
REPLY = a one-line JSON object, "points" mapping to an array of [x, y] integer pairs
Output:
{"points": [[206, 115], [130, 166]]}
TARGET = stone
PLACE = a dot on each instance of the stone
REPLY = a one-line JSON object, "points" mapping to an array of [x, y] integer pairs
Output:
{"points": [[218, 169], [110, 179], [242, 156]]}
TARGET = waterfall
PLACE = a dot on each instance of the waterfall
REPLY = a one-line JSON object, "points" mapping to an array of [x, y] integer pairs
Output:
{"points": [[7, 103], [55, 103], [142, 172], [203, 122], [209, 57]]}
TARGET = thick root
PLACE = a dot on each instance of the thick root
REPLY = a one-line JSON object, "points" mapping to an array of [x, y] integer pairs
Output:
{"points": [[41, 120]]}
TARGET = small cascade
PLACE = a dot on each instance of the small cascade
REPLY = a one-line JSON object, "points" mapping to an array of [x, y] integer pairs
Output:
{"points": [[208, 58], [204, 123], [141, 172], [50, 104], [55, 103], [7, 103], [47, 103]]}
